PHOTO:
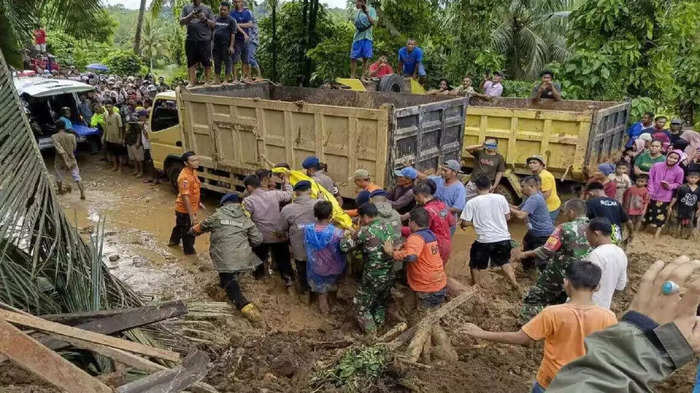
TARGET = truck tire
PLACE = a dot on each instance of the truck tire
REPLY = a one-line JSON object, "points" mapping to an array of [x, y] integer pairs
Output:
{"points": [[172, 170], [392, 83]]}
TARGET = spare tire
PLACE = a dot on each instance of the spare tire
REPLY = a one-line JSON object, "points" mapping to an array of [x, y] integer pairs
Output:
{"points": [[392, 83]]}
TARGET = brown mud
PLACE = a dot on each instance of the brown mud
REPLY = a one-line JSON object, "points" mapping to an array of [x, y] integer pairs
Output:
{"points": [[282, 355]]}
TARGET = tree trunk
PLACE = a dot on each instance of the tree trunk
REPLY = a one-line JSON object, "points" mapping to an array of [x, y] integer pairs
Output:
{"points": [[139, 26], [274, 40], [311, 40]]}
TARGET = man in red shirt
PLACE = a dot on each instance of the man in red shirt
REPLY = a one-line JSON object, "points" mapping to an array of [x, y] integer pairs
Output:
{"points": [[380, 68], [40, 39], [440, 218]]}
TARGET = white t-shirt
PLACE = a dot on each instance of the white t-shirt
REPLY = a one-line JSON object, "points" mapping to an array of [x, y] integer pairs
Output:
{"points": [[488, 215], [613, 262]]}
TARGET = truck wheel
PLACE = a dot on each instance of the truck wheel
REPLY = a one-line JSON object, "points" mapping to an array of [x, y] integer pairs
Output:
{"points": [[392, 83], [172, 170], [507, 192]]}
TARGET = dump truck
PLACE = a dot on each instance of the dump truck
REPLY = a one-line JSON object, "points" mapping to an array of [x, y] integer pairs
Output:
{"points": [[572, 136], [236, 130]]}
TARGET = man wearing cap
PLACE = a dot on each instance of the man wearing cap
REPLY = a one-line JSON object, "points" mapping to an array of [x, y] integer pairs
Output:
{"points": [[401, 197], [187, 203], [386, 214], [488, 162], [314, 170], [232, 235], [294, 217], [362, 180], [548, 186], [450, 190], [263, 205]]}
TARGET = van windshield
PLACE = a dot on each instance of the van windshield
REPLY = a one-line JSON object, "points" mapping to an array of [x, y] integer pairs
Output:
{"points": [[164, 115], [43, 111]]}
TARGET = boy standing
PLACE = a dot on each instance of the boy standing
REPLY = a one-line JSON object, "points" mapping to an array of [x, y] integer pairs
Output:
{"points": [[65, 161], [224, 33], [686, 200], [488, 213], [636, 200], [373, 294], [563, 327], [610, 258], [539, 220], [425, 271], [621, 179]]}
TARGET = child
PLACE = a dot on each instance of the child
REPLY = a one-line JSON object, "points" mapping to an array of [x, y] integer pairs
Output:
{"points": [[325, 262], [65, 162], [686, 202], [609, 186], [635, 201], [621, 179], [425, 272], [563, 327], [374, 292]]}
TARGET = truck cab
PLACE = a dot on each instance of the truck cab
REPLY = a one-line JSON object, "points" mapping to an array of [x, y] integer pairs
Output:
{"points": [[165, 134]]}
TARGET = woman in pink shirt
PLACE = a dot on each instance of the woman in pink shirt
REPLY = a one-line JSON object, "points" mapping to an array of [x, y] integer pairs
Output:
{"points": [[664, 177]]}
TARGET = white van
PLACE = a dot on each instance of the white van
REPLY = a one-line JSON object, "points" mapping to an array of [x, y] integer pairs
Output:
{"points": [[43, 98]]}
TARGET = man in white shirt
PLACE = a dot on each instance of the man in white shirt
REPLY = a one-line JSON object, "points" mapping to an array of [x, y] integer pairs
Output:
{"points": [[492, 86], [611, 259], [488, 213]]}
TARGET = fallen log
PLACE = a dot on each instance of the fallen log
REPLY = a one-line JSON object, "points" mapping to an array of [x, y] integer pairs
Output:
{"points": [[391, 333], [86, 335], [193, 368], [45, 363]]}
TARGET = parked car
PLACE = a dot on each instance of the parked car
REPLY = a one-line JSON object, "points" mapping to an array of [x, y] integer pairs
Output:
{"points": [[43, 98]]}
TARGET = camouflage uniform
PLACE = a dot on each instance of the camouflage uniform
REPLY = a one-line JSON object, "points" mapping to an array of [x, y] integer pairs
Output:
{"points": [[375, 286], [567, 244]]}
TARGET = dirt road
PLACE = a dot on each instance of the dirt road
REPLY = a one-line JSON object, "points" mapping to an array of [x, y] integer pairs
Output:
{"points": [[280, 357]]}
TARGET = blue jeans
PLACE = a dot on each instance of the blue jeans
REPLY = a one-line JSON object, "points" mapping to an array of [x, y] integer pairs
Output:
{"points": [[537, 388]]}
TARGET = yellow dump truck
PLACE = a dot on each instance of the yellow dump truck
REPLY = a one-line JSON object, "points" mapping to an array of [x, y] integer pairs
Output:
{"points": [[573, 136], [237, 130]]}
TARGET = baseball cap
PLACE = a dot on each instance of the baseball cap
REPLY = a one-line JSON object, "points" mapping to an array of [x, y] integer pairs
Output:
{"points": [[230, 197], [407, 172], [453, 165], [536, 157], [360, 174], [303, 185], [677, 121], [310, 162]]}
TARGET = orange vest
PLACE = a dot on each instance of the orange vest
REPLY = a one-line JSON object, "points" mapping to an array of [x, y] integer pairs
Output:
{"points": [[187, 184]]}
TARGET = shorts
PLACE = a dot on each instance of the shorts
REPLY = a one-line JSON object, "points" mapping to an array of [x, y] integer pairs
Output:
{"points": [[252, 51], [361, 49], [222, 56], [135, 152], [240, 52], [40, 47], [198, 52], [116, 149], [432, 299], [481, 253], [63, 172], [421, 70], [657, 213]]}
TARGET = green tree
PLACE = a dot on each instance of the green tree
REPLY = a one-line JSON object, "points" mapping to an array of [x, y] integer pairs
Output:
{"points": [[139, 26], [153, 45]]}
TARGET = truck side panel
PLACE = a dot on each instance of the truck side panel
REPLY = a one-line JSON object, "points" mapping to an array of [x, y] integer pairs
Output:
{"points": [[608, 134], [239, 135]]}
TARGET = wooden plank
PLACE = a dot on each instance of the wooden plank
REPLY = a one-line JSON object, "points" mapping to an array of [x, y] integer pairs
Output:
{"points": [[45, 363], [193, 368], [57, 328]]}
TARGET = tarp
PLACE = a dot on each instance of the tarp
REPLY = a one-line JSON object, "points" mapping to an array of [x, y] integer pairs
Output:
{"points": [[97, 67]]}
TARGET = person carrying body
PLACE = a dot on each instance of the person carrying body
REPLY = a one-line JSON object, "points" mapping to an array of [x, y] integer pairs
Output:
{"points": [[374, 291], [401, 196], [487, 161], [440, 220], [365, 186], [313, 168], [233, 234], [450, 189], [65, 162], [295, 216]]}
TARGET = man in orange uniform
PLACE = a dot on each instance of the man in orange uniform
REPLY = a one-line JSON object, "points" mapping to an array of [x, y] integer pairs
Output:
{"points": [[425, 271], [187, 203], [361, 179]]}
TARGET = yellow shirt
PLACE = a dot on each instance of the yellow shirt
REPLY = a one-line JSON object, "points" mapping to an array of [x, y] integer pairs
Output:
{"points": [[548, 183]]}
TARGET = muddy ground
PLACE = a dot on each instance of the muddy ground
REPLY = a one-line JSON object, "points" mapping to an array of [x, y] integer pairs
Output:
{"points": [[281, 356]]}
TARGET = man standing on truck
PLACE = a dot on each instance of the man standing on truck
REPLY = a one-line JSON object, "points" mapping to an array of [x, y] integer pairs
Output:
{"points": [[492, 86], [244, 18], [546, 88], [450, 190], [487, 161], [224, 33], [548, 185], [364, 20], [200, 22], [187, 204], [411, 60]]}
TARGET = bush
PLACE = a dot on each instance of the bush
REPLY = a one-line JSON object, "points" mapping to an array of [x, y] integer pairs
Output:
{"points": [[520, 89], [124, 63]]}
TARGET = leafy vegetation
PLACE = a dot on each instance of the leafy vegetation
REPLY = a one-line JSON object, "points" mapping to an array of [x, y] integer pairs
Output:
{"points": [[356, 371]]}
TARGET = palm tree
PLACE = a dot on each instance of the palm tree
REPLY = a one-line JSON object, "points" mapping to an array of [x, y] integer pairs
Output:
{"points": [[154, 45], [139, 25], [19, 18], [532, 34]]}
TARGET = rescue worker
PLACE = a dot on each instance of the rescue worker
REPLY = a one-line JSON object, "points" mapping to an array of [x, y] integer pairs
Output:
{"points": [[294, 216], [386, 214], [362, 181], [233, 234], [187, 203], [401, 197], [565, 245], [373, 294], [313, 168]]}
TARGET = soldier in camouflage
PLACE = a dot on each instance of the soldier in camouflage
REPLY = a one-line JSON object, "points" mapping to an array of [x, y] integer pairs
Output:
{"points": [[375, 286], [567, 244]]}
